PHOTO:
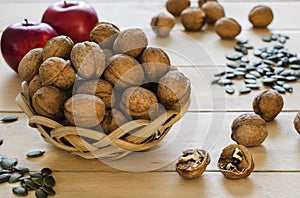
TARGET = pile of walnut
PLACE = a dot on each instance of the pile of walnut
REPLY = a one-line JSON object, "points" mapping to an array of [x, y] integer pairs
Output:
{"points": [[194, 18], [103, 83]]}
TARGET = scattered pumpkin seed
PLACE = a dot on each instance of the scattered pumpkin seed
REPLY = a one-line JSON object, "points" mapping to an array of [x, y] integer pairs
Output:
{"points": [[279, 89], [15, 177], [253, 86], [229, 89], [31, 184], [245, 90], [9, 118], [46, 171], [4, 177], [49, 181], [1, 141], [20, 191], [37, 180], [48, 190], [40, 193], [34, 154], [22, 169], [288, 88], [8, 163]]}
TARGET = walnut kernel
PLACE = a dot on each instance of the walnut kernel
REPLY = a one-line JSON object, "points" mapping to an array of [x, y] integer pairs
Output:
{"points": [[193, 19], [261, 16]]}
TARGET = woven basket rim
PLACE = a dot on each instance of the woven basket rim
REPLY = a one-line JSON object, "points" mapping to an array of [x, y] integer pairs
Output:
{"points": [[91, 144]]}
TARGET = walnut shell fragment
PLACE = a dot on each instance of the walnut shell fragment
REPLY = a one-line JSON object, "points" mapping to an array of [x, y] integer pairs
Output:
{"points": [[227, 28], [58, 72], [213, 11], [124, 71], [297, 122], [59, 46], [30, 64], [84, 110], [192, 163], [268, 104], [249, 130], [100, 88], [139, 103], [162, 24], [88, 59], [174, 90], [236, 162], [261, 16], [193, 19], [104, 33], [175, 7], [131, 41], [155, 63], [49, 101]]}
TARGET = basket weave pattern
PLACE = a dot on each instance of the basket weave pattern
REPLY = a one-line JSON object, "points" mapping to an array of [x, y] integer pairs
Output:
{"points": [[135, 135]]}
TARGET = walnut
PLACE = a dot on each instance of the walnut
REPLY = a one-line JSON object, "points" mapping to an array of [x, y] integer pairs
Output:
{"points": [[174, 90], [227, 28], [124, 71], [84, 110], [261, 16], [155, 63], [297, 122], [108, 54], [268, 104], [249, 130], [30, 64], [192, 163], [49, 101], [112, 120], [104, 33], [213, 11], [59, 46], [58, 72], [88, 59], [236, 162], [131, 41], [139, 103], [201, 2], [34, 85], [100, 88], [193, 19], [175, 7], [162, 24]]}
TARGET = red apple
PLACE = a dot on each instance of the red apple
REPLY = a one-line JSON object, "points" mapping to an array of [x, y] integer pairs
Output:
{"points": [[75, 19], [17, 39]]}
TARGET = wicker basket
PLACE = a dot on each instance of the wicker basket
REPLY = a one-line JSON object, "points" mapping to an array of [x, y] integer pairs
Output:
{"points": [[136, 135]]}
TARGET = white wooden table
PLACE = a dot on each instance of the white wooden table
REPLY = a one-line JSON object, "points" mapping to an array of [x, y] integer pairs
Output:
{"points": [[206, 125]]}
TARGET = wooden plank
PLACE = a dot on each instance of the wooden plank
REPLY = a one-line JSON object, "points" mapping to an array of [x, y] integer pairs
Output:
{"points": [[169, 184], [209, 131]]}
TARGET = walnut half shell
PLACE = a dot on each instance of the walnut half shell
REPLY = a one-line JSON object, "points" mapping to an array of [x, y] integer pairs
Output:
{"points": [[236, 162], [192, 163]]}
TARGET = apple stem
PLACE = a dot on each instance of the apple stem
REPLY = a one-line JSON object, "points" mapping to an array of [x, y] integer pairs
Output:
{"points": [[26, 21], [65, 2]]}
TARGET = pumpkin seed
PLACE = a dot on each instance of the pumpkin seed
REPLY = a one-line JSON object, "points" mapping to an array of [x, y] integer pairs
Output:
{"points": [[224, 82], [215, 80], [233, 65], [291, 78], [4, 177], [35, 175], [250, 81], [20, 191], [250, 76], [8, 163], [48, 190], [295, 67], [1, 141], [288, 88], [268, 81], [280, 83], [37, 180], [49, 181], [253, 86], [266, 38], [21, 169], [15, 177], [279, 89], [46, 171], [294, 60], [229, 89], [233, 57], [40, 193], [34, 154], [245, 90], [31, 184], [281, 39], [9, 118], [255, 73]]}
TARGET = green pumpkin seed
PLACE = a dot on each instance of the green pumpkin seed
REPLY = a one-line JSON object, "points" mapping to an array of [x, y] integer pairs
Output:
{"points": [[1, 141], [22, 169], [245, 90], [31, 184], [46, 171], [279, 89], [229, 89], [15, 177], [8, 163], [39, 193], [48, 190], [37, 180], [20, 191], [36, 175], [34, 154], [49, 181], [9, 119], [4, 177], [288, 88]]}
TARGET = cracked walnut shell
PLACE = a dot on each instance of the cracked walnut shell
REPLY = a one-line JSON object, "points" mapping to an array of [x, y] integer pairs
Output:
{"points": [[236, 162], [192, 163], [104, 33], [268, 104], [227, 28], [175, 7], [261, 16], [139, 103], [49, 101], [249, 130], [193, 19], [131, 41], [58, 72], [59, 46], [297, 122], [162, 24], [88, 59], [213, 11], [155, 63], [84, 110], [174, 90], [124, 71], [30, 64]]}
